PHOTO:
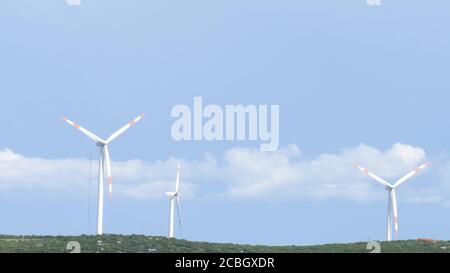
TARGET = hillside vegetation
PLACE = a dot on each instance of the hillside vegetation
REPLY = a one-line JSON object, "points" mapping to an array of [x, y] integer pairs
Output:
{"points": [[145, 244]]}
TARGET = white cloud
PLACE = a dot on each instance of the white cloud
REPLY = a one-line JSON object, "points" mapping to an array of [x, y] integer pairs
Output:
{"points": [[244, 173], [132, 179], [283, 173]]}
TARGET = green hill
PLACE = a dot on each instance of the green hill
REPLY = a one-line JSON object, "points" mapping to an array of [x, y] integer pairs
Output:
{"points": [[145, 244]]}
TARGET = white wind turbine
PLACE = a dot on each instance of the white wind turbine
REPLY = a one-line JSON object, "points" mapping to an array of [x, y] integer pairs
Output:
{"points": [[174, 201], [104, 163], [392, 197]]}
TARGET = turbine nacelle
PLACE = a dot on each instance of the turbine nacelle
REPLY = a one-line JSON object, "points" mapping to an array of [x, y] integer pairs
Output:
{"points": [[172, 194]]}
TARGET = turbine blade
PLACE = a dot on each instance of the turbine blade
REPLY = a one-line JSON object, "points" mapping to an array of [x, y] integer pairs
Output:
{"points": [[84, 131], [108, 170], [124, 128], [411, 174], [395, 209], [375, 177], [177, 186], [179, 216]]}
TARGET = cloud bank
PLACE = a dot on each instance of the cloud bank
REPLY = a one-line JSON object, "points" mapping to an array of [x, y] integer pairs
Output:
{"points": [[244, 174]]}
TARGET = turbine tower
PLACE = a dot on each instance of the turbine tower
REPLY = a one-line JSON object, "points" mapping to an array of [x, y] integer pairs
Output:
{"points": [[174, 200], [392, 209], [104, 163]]}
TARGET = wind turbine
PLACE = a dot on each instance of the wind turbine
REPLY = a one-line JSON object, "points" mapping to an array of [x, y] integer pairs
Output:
{"points": [[174, 200], [392, 196], [104, 163]]}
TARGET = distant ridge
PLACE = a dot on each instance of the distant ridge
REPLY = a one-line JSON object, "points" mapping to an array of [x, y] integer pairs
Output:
{"points": [[148, 244]]}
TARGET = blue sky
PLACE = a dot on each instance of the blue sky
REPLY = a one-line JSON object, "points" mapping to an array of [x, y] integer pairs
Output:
{"points": [[343, 73]]}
